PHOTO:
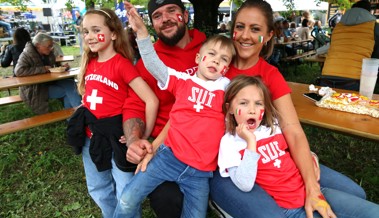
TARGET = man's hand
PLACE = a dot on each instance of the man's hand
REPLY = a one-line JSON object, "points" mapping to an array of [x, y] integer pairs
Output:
{"points": [[137, 150]]}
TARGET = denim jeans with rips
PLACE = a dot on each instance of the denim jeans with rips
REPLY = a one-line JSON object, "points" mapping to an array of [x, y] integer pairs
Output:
{"points": [[166, 167]]}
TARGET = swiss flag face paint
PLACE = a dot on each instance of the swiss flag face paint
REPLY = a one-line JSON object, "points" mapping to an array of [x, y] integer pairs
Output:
{"points": [[224, 70], [234, 35], [261, 114], [101, 37], [180, 17]]}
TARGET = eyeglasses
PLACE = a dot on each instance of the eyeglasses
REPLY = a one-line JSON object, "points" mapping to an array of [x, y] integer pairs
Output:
{"points": [[51, 46]]}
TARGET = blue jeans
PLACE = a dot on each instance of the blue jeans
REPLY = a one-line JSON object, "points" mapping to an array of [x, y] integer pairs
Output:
{"points": [[344, 205], [65, 89], [166, 167], [104, 187], [257, 203]]}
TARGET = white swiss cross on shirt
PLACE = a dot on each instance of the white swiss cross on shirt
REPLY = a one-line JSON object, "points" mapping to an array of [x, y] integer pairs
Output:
{"points": [[93, 99], [198, 106]]}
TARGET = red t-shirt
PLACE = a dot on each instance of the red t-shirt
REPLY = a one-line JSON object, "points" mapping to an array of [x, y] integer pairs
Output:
{"points": [[106, 85], [196, 119], [270, 75], [182, 60]]}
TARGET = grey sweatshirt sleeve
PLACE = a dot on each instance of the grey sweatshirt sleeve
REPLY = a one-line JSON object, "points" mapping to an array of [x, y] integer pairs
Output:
{"points": [[243, 176], [151, 61]]}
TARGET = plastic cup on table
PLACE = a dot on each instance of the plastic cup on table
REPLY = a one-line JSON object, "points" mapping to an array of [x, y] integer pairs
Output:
{"points": [[369, 75]]}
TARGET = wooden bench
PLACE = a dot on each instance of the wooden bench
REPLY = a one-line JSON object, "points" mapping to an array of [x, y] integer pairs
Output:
{"points": [[39, 120], [298, 56], [10, 100]]}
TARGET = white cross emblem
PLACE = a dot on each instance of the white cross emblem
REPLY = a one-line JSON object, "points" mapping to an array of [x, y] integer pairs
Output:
{"points": [[277, 163], [93, 99], [198, 106]]}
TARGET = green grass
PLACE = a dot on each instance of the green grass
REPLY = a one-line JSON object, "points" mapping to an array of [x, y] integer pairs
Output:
{"points": [[41, 177]]}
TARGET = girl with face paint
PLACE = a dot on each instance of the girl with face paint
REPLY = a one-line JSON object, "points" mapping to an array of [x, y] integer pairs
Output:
{"points": [[107, 77], [254, 150]]}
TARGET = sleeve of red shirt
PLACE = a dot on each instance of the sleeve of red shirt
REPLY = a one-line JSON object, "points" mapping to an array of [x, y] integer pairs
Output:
{"points": [[133, 107], [276, 83]]}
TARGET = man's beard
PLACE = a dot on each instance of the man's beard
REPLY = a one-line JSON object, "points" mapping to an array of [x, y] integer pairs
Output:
{"points": [[173, 40]]}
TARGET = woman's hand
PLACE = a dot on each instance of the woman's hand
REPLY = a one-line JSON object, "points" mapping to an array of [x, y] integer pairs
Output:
{"points": [[317, 202]]}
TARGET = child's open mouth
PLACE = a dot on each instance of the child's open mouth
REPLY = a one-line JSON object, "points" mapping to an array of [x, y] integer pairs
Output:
{"points": [[251, 123]]}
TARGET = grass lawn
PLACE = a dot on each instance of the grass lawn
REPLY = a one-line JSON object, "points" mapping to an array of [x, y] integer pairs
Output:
{"points": [[41, 177]]}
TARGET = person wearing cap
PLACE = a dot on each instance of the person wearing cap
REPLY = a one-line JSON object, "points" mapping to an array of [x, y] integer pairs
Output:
{"points": [[176, 47]]}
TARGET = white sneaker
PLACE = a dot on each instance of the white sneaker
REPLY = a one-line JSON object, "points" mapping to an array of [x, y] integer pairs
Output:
{"points": [[217, 209]]}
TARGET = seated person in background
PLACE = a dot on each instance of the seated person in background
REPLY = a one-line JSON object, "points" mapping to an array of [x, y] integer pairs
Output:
{"points": [[222, 28], [304, 33], [320, 35], [342, 67], [286, 30], [277, 53], [38, 58], [12, 52], [293, 30], [7, 26], [358, 14]]}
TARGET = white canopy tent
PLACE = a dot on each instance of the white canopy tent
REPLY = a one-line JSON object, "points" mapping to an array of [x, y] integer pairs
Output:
{"points": [[278, 5]]}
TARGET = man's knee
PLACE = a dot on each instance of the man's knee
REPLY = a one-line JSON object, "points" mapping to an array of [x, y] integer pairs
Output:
{"points": [[167, 200]]}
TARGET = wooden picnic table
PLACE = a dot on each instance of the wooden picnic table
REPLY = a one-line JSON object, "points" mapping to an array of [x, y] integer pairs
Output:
{"points": [[316, 58], [38, 120], [15, 82], [349, 123]]}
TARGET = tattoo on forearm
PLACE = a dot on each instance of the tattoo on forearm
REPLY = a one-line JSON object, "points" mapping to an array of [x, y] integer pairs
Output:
{"points": [[134, 129]]}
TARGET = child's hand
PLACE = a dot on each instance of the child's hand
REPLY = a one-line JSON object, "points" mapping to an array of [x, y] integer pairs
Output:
{"points": [[243, 132], [143, 164], [136, 21]]}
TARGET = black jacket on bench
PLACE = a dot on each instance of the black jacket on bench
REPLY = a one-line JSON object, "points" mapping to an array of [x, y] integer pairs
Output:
{"points": [[104, 143]]}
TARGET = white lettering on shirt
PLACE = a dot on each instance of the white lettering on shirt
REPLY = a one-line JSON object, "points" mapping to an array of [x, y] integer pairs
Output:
{"points": [[102, 79]]}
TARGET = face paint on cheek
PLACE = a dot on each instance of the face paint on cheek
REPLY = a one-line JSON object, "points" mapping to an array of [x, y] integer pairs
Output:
{"points": [[224, 70], [234, 35], [101, 37], [180, 17], [260, 39], [261, 114], [203, 58], [238, 111]]}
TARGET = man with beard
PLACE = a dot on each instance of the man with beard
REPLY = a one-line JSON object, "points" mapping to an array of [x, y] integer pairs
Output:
{"points": [[177, 47]]}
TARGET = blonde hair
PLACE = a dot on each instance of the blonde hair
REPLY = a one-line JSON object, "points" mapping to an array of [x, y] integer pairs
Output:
{"points": [[235, 86], [224, 41], [121, 44]]}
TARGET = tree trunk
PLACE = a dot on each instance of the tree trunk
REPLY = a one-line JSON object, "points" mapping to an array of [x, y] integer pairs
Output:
{"points": [[206, 15]]}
